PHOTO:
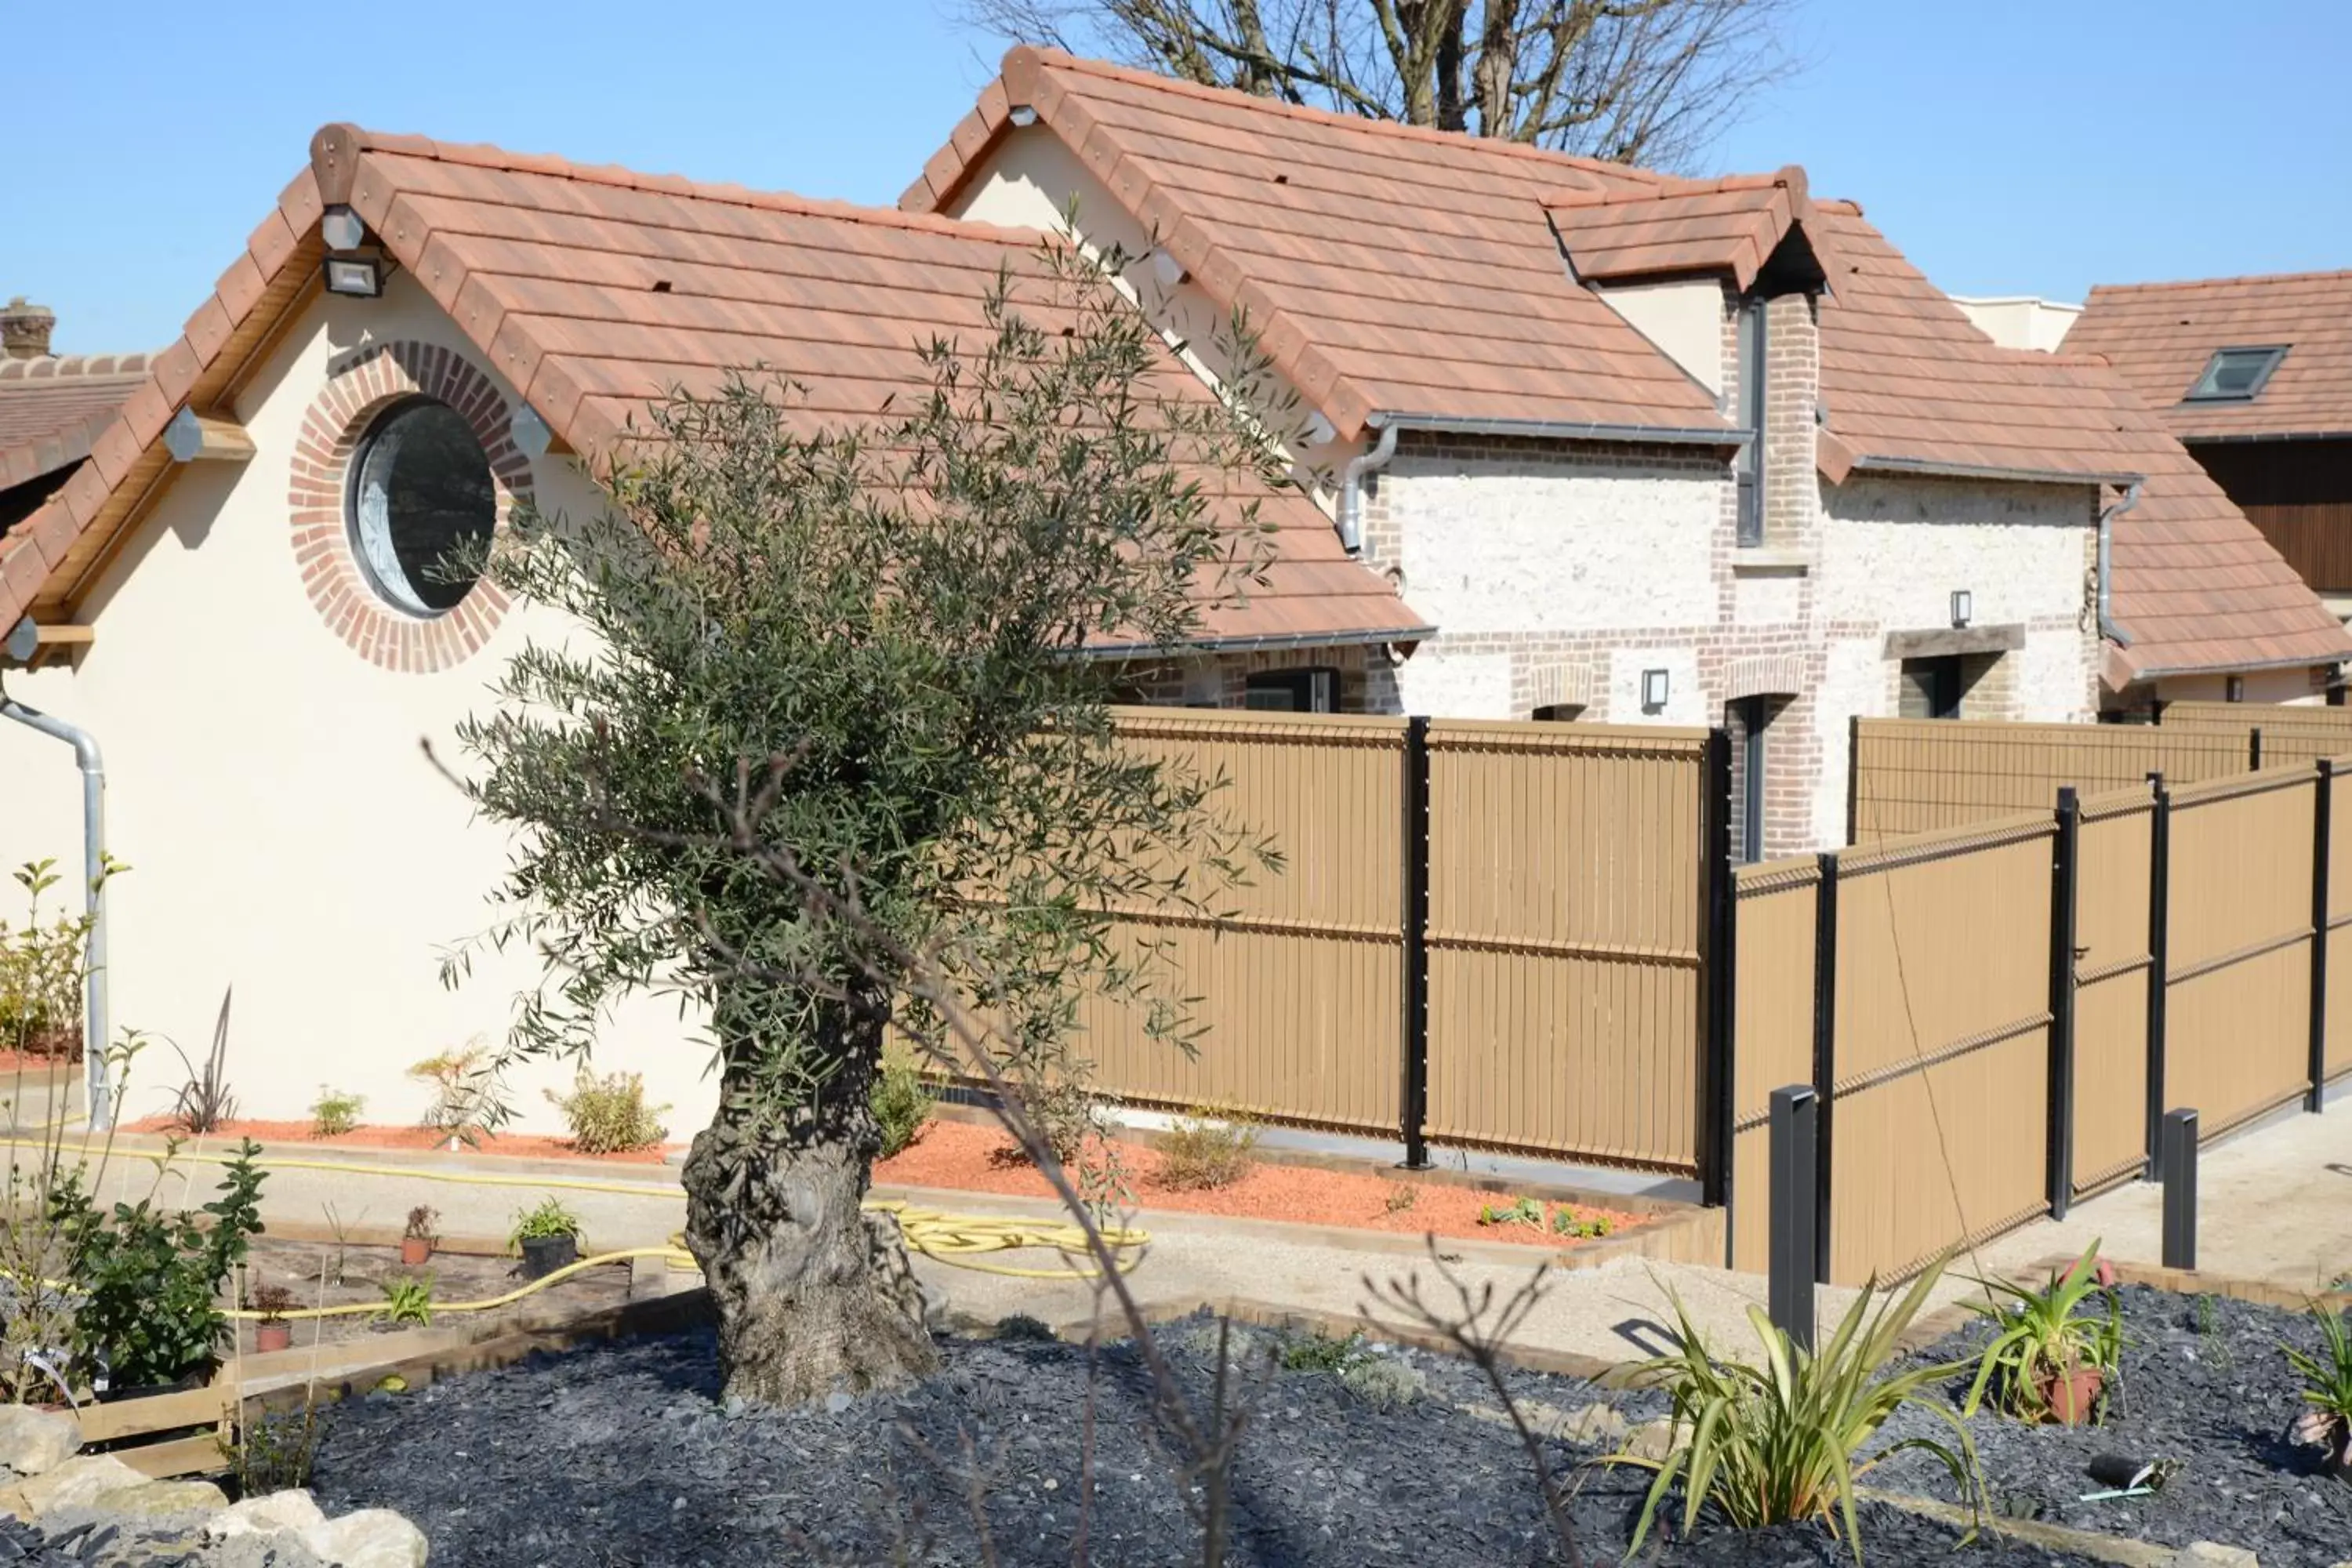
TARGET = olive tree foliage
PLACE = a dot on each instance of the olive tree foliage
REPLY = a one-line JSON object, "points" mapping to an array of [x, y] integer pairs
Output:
{"points": [[1653, 82], [863, 647]]}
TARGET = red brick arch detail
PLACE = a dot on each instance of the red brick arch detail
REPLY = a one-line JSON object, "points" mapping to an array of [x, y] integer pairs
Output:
{"points": [[359, 386]]}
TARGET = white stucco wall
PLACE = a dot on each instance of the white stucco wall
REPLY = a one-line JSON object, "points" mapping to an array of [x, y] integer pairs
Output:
{"points": [[287, 834], [2020, 321], [1684, 319]]}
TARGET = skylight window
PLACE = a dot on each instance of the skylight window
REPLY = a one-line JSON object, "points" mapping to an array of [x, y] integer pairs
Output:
{"points": [[2235, 376]]}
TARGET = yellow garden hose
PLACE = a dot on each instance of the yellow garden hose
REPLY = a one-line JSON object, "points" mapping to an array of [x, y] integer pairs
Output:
{"points": [[959, 1240]]}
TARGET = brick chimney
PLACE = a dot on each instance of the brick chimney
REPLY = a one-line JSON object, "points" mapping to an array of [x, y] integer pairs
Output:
{"points": [[25, 330]]}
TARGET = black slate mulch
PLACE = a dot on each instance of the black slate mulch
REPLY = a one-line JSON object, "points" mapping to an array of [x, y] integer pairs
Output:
{"points": [[2204, 1387], [620, 1454]]}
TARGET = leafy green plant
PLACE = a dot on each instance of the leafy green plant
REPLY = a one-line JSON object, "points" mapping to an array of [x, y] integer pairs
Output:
{"points": [[1783, 1442], [2328, 1391], [1321, 1352], [2044, 1336], [546, 1218], [1383, 1382], [335, 1111], [42, 971], [272, 1301], [407, 1298], [150, 1280], [1519, 1211], [273, 1453], [203, 1103], [1068, 1115], [465, 1084], [902, 1102], [609, 1115], [1566, 1220], [1201, 1152]]}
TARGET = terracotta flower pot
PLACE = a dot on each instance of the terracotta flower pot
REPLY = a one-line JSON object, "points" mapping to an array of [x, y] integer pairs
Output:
{"points": [[2073, 1397], [272, 1336], [415, 1250]]}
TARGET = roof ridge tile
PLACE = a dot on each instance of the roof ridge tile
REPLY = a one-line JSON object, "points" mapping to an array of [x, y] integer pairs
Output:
{"points": [[2180, 284], [68, 367]]}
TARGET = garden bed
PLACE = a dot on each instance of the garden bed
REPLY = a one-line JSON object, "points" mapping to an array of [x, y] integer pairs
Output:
{"points": [[976, 1158], [297, 1266], [514, 1145], [2204, 1386], [622, 1453]]}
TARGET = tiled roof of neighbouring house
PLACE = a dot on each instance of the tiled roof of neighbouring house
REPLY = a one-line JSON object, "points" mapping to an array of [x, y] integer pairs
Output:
{"points": [[1395, 270], [2160, 336], [597, 290], [53, 407]]}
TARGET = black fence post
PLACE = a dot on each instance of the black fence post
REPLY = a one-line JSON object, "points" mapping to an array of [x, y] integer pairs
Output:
{"points": [[2065, 872], [1825, 940], [1853, 775], [1415, 1115], [1789, 1286], [2321, 830], [2254, 750], [2180, 1189], [2160, 963], [1719, 964]]}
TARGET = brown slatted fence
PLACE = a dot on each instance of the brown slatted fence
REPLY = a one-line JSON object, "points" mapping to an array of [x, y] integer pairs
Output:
{"points": [[1776, 907], [1565, 903], [2339, 1037], [1912, 776], [2112, 968]]}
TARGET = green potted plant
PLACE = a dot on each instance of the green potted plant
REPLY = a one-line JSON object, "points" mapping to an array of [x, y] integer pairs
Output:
{"points": [[2049, 1359], [418, 1240], [273, 1333], [547, 1236]]}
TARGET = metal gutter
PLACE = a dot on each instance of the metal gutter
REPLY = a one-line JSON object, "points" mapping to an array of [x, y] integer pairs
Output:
{"points": [[1352, 489], [2247, 439], [2107, 515], [2235, 668], [1248, 645], [1559, 430], [1989, 471]]}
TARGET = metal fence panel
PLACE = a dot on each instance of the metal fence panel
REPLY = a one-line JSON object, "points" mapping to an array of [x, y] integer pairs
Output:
{"points": [[1926, 775], [1565, 914], [2111, 972], [2340, 925], [2239, 1006], [1773, 1031]]}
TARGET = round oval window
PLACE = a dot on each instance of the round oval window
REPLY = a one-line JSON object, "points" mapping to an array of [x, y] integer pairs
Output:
{"points": [[423, 506]]}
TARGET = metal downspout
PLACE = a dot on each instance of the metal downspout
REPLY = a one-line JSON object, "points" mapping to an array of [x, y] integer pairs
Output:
{"points": [[95, 1024], [2107, 626], [1351, 488]]}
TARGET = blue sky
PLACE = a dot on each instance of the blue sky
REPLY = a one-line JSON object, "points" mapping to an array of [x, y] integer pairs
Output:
{"points": [[2006, 147]]}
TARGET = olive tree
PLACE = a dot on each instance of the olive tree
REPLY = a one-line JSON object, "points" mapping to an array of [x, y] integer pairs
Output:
{"points": [[868, 650]]}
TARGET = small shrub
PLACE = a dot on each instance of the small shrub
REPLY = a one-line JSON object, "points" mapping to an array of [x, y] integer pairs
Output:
{"points": [[1782, 1443], [1320, 1353], [273, 1453], [2043, 1336], [2326, 1392], [1403, 1195], [407, 1298], [335, 1112], [1021, 1326], [151, 1278], [902, 1103], [203, 1103], [1203, 1154], [422, 1219], [548, 1217], [1519, 1211], [1383, 1382], [1066, 1115], [1566, 1220], [273, 1302], [42, 971], [609, 1115], [465, 1086]]}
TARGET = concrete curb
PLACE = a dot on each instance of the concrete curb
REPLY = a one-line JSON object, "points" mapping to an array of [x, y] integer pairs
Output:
{"points": [[2198, 1282], [2119, 1549]]}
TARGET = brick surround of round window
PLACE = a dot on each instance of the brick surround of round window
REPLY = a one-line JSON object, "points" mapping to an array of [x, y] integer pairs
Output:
{"points": [[359, 386]]}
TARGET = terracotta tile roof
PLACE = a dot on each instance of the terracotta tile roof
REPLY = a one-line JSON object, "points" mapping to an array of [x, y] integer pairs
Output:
{"points": [[52, 408], [595, 291], [1386, 268], [1731, 224], [2160, 337]]}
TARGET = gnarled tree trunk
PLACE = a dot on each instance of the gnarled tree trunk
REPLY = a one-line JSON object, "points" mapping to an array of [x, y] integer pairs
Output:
{"points": [[814, 1295]]}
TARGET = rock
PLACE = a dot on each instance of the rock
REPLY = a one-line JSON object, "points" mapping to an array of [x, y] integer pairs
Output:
{"points": [[267, 1515], [79, 1481], [1655, 1440], [35, 1441], [2213, 1555], [276, 1549], [372, 1538], [1594, 1425]]}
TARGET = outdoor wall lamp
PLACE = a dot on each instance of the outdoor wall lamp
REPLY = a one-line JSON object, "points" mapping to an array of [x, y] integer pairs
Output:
{"points": [[1964, 606], [358, 276], [342, 229], [1654, 691]]}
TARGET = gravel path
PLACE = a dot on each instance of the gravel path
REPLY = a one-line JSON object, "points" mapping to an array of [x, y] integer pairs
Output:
{"points": [[619, 1455], [2205, 1386]]}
